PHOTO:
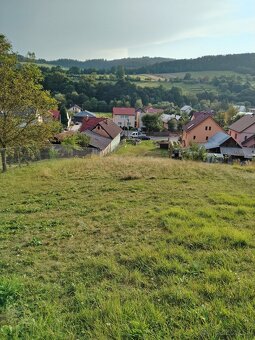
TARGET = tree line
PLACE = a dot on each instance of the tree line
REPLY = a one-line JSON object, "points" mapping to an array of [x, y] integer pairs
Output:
{"points": [[100, 96]]}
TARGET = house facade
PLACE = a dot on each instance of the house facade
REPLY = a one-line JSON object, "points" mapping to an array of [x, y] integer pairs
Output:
{"points": [[200, 130], [125, 117], [74, 109], [104, 134], [243, 128]]}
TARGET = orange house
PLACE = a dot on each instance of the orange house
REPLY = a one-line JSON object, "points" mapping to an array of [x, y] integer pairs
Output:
{"points": [[200, 129]]}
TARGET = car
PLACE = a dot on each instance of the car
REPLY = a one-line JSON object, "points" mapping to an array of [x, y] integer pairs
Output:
{"points": [[137, 134], [143, 137]]}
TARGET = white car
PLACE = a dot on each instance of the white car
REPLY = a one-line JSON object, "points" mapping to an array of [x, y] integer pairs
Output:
{"points": [[136, 134]]}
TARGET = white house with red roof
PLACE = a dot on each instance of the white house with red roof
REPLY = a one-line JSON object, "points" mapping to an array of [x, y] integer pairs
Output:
{"points": [[125, 117]]}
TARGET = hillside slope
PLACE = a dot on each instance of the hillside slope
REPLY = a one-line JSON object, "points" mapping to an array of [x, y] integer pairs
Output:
{"points": [[127, 248]]}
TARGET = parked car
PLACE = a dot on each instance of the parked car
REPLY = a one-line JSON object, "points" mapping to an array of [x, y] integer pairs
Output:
{"points": [[137, 134], [143, 137]]}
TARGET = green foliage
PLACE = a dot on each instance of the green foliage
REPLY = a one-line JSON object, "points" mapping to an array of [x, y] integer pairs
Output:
{"points": [[75, 141], [152, 122], [195, 152], [24, 118], [64, 116]]}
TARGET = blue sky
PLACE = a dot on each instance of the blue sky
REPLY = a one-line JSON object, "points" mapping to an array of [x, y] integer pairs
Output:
{"points": [[85, 29]]}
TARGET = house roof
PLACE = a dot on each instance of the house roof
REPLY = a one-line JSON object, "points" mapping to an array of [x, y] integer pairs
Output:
{"points": [[199, 113], [55, 114], [63, 135], [97, 141], [186, 107], [84, 114], [75, 106], [216, 140], [110, 127], [127, 111], [243, 123], [195, 122], [89, 123], [232, 151], [151, 109]]}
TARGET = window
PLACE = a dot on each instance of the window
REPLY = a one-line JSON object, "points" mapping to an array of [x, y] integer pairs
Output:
{"points": [[206, 137], [194, 137], [210, 128], [245, 137], [206, 127], [236, 136]]}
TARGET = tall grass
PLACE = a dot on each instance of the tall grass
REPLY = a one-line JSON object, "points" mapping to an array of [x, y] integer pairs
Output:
{"points": [[127, 248]]}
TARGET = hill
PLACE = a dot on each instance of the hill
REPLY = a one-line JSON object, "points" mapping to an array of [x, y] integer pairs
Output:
{"points": [[127, 248], [244, 63], [101, 64]]}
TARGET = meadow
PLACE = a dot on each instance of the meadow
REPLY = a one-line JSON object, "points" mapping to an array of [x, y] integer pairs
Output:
{"points": [[127, 248]]}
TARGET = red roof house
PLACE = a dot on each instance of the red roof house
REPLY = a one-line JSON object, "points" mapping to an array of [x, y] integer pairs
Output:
{"points": [[200, 129], [124, 117]]}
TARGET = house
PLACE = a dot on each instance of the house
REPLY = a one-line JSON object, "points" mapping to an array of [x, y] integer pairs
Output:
{"points": [[55, 114], [172, 117], [252, 110], [243, 128], [249, 142], [104, 134], [222, 143], [239, 108], [200, 129], [79, 116], [199, 113], [125, 117], [186, 109], [74, 109], [147, 110]]}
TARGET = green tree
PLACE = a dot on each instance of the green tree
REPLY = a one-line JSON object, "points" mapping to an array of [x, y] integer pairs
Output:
{"points": [[24, 106], [64, 116], [120, 73], [187, 76], [152, 122]]}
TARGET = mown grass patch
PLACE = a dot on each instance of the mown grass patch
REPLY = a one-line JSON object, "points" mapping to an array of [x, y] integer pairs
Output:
{"points": [[127, 248]]}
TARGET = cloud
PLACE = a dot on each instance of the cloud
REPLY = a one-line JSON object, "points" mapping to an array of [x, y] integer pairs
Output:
{"points": [[109, 29]]}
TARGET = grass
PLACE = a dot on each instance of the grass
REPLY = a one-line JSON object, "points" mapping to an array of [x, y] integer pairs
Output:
{"points": [[144, 148], [127, 248], [103, 114]]}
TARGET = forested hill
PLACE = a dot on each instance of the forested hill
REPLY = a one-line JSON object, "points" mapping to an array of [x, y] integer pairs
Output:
{"points": [[100, 64], [244, 63]]}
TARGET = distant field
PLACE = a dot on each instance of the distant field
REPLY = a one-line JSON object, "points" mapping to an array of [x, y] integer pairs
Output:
{"points": [[103, 114], [201, 74], [127, 248], [186, 87]]}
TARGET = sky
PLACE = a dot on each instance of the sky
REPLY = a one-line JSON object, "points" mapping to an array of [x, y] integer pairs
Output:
{"points": [[111, 29]]}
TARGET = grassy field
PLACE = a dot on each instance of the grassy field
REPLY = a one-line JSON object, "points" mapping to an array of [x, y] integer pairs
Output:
{"points": [[145, 148], [103, 114], [127, 248]]}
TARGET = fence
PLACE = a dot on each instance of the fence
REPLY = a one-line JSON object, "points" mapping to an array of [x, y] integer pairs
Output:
{"points": [[31, 154]]}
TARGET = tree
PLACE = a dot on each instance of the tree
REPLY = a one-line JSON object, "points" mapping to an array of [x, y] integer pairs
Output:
{"points": [[230, 113], [24, 105], [120, 73], [187, 76], [152, 122], [64, 116]]}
